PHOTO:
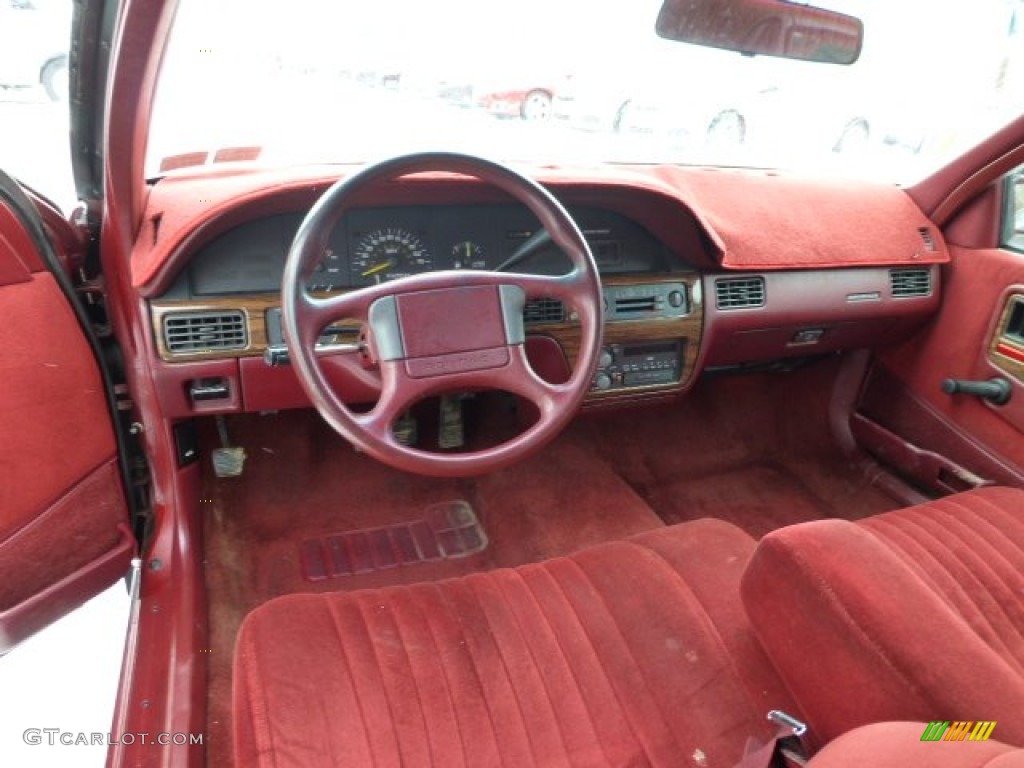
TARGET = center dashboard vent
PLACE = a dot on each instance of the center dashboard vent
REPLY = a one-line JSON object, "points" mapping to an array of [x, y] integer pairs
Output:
{"points": [[540, 311], [191, 332], [739, 292], [907, 283]]}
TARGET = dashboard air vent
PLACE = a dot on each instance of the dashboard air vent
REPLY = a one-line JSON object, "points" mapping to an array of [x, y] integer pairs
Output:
{"points": [[190, 332], [739, 292], [634, 305], [906, 283], [543, 311]]}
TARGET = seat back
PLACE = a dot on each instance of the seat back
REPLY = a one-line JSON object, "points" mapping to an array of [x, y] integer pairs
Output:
{"points": [[916, 614]]}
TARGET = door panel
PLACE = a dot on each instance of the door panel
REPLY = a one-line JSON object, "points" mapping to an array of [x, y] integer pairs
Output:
{"points": [[958, 344], [64, 531]]}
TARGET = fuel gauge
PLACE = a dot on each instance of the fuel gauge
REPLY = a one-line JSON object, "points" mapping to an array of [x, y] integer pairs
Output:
{"points": [[468, 255], [328, 274]]}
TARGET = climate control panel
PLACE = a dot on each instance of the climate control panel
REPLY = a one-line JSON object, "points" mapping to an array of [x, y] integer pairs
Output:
{"points": [[628, 366]]}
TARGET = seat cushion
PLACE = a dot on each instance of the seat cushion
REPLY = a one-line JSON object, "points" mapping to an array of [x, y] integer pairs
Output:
{"points": [[631, 653], [899, 745], [916, 614]]}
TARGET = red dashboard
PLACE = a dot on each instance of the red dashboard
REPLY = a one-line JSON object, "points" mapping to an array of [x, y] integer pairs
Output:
{"points": [[701, 269]]}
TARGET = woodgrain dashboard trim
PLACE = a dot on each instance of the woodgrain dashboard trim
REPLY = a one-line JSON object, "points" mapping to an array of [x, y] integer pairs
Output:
{"points": [[688, 328], [1006, 351]]}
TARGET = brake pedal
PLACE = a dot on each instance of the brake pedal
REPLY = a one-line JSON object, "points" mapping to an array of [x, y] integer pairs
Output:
{"points": [[228, 460]]}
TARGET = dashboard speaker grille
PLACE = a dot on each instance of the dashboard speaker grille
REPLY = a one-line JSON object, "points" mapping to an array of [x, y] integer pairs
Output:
{"points": [[739, 292], [910, 282], [543, 311], [191, 332]]}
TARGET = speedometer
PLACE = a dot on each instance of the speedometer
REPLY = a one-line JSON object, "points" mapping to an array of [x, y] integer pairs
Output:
{"points": [[387, 254]]}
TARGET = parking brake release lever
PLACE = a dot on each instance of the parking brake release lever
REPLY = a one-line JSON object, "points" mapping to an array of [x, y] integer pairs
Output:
{"points": [[996, 390], [276, 355]]}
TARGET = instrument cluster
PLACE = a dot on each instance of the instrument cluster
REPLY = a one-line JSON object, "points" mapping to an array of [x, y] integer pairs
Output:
{"points": [[376, 245]]}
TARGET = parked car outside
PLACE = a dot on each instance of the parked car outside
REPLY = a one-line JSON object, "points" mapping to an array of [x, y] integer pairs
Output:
{"points": [[661, 96], [34, 41], [837, 118], [530, 102], [739, 108]]}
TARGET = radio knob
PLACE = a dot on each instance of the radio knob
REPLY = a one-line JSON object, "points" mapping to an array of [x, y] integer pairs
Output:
{"points": [[605, 359], [602, 381]]}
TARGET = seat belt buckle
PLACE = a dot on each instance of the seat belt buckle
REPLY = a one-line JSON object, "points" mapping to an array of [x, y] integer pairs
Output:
{"points": [[790, 750], [780, 718], [783, 750]]}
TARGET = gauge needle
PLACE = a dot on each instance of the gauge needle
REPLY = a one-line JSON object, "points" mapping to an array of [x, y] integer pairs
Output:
{"points": [[382, 267]]}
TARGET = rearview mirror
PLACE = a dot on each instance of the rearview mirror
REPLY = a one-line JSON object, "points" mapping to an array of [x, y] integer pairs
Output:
{"points": [[764, 27]]}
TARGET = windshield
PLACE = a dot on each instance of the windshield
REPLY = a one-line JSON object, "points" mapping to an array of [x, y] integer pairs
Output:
{"points": [[572, 82]]}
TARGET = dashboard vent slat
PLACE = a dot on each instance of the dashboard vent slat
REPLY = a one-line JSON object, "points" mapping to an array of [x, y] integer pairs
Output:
{"points": [[636, 305], [190, 332], [539, 311], [739, 292], [910, 283]]}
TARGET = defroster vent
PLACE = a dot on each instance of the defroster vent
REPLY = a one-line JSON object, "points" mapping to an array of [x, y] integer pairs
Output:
{"points": [[191, 332], [739, 292], [543, 311], [906, 283], [927, 239]]}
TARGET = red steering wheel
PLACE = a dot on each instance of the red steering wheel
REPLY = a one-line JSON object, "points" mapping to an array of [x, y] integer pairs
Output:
{"points": [[441, 332]]}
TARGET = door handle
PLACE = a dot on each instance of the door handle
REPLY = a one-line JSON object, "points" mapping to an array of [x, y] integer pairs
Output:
{"points": [[996, 390]]}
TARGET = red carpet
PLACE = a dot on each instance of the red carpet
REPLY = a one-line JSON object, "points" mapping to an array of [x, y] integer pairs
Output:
{"points": [[755, 450]]}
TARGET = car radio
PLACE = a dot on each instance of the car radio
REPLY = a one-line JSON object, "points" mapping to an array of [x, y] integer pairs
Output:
{"points": [[624, 366]]}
